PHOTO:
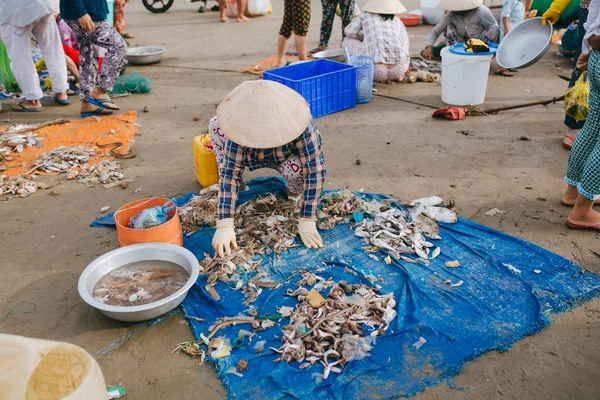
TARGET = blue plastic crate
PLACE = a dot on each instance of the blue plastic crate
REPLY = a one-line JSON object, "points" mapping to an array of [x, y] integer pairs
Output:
{"points": [[327, 86]]}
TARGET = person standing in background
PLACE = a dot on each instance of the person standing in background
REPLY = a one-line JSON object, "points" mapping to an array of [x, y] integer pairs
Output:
{"points": [[329, 8], [296, 20], [87, 18], [119, 22], [19, 20], [552, 15]]}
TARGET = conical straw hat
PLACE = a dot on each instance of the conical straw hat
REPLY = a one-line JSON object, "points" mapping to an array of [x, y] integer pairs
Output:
{"points": [[263, 114], [384, 7], [459, 5]]}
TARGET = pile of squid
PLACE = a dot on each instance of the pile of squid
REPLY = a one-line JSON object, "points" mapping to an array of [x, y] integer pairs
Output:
{"points": [[337, 208], [404, 233], [269, 223], [201, 210], [339, 330]]}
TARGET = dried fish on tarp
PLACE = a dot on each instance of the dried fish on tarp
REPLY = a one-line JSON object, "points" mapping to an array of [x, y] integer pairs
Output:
{"points": [[269, 223], [62, 159], [201, 210], [334, 334], [21, 128], [234, 270], [106, 171], [337, 208]]}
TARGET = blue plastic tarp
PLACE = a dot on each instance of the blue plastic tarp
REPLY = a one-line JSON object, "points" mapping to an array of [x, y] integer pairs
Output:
{"points": [[509, 289]]}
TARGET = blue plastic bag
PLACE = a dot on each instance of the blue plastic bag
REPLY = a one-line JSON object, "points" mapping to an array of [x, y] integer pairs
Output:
{"points": [[151, 217]]}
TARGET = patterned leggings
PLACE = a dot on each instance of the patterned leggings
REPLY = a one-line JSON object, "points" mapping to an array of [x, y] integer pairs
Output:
{"points": [[119, 12], [329, 8], [106, 37], [290, 169], [584, 161], [380, 73], [296, 18]]}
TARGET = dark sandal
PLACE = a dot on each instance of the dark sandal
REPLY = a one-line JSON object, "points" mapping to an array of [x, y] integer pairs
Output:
{"points": [[98, 112], [504, 72], [102, 102], [24, 109]]}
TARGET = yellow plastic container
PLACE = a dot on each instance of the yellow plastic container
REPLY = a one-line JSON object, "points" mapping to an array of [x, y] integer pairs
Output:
{"points": [[205, 161]]}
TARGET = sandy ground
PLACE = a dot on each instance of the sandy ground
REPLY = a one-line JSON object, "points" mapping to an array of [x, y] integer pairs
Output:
{"points": [[46, 241]]}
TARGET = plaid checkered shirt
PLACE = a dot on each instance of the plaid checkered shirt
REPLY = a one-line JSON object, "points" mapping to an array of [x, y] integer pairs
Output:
{"points": [[307, 146], [388, 37]]}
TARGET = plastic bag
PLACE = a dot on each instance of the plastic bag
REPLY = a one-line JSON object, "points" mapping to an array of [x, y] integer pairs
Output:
{"points": [[6, 76], [151, 217], [132, 83], [576, 99]]}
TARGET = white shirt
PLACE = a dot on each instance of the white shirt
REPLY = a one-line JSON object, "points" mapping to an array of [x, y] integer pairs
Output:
{"points": [[21, 13], [592, 26]]}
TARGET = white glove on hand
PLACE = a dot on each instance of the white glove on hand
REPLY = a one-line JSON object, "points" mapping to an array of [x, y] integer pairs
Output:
{"points": [[224, 237], [307, 228]]}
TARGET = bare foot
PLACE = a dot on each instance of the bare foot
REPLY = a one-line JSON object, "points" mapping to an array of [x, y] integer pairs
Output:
{"points": [[570, 197], [62, 96], [99, 94], [281, 63], [30, 104], [590, 218], [224, 18], [243, 18]]}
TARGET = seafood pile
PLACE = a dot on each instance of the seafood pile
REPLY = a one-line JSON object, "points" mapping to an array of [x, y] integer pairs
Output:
{"points": [[341, 329], [17, 185], [337, 208], [200, 210], [423, 70], [268, 222], [62, 159], [140, 283], [106, 172], [238, 270], [402, 233]]}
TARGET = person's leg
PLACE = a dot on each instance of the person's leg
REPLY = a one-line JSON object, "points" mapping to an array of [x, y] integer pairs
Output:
{"points": [[584, 159], [46, 33], [347, 8], [285, 32], [222, 7], [380, 73], [291, 171], [301, 23], [17, 42], [396, 73], [119, 14], [329, 7], [106, 37], [241, 10]]}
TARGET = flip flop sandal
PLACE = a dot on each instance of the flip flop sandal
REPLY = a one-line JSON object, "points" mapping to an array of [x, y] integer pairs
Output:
{"points": [[101, 102], [98, 112], [565, 142], [513, 70], [593, 227], [62, 102], [505, 72], [23, 109]]}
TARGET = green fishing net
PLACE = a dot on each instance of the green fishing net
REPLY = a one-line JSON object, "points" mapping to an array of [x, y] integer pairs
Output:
{"points": [[132, 83], [6, 76]]}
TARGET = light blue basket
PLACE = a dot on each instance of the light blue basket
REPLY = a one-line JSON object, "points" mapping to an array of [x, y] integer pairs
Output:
{"points": [[364, 76]]}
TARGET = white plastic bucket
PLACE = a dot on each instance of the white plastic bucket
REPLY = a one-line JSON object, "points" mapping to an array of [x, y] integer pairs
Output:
{"points": [[430, 14], [464, 78], [258, 7]]}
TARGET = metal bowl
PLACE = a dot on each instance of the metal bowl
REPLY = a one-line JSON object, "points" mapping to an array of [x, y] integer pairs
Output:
{"points": [[145, 55], [525, 45], [127, 255], [333, 55]]}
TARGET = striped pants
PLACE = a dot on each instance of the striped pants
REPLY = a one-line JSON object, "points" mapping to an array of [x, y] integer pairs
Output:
{"points": [[584, 161]]}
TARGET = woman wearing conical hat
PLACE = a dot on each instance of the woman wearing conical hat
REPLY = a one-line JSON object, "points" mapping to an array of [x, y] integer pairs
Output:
{"points": [[380, 32], [466, 19], [264, 124]]}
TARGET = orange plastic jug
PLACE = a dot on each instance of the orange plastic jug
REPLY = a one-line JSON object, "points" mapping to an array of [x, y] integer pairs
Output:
{"points": [[205, 161]]}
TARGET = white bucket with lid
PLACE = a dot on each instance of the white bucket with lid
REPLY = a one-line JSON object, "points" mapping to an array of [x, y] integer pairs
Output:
{"points": [[464, 78]]}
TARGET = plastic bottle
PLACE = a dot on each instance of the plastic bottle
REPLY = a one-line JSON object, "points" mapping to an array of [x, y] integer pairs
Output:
{"points": [[205, 161]]}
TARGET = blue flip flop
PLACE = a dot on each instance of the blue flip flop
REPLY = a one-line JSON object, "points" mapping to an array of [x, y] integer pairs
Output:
{"points": [[23, 109], [62, 102], [101, 102], [98, 112]]}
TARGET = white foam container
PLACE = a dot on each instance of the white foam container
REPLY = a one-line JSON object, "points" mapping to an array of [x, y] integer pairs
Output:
{"points": [[464, 78]]}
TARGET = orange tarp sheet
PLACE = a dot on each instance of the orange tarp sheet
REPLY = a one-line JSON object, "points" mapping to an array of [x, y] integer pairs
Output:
{"points": [[87, 133], [267, 63]]}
